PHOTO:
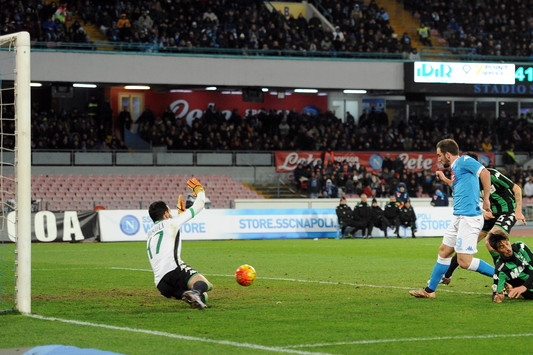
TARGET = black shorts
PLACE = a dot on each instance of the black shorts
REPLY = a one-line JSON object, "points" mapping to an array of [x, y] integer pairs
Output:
{"points": [[504, 221], [174, 283]]}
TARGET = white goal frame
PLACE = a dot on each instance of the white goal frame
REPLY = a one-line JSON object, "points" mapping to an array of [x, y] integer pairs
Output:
{"points": [[22, 169]]}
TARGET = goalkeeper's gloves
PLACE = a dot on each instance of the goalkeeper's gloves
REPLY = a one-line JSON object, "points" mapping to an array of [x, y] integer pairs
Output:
{"points": [[181, 205], [195, 186]]}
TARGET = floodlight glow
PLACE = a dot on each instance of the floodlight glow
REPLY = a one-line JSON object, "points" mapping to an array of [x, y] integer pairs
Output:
{"points": [[350, 91], [137, 87], [306, 91], [211, 88], [36, 85], [87, 86], [264, 89]]}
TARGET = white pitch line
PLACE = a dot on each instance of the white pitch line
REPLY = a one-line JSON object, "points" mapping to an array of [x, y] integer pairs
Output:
{"points": [[377, 341], [177, 336], [441, 289]]}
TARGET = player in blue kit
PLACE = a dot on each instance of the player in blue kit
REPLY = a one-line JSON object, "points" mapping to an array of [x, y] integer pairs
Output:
{"points": [[462, 234]]}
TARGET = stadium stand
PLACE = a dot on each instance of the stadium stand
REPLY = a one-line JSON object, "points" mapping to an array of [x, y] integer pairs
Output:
{"points": [[471, 28], [117, 191], [356, 27], [501, 28], [374, 130]]}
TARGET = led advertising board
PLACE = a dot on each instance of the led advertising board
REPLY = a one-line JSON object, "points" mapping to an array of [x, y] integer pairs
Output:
{"points": [[439, 79], [464, 73]]}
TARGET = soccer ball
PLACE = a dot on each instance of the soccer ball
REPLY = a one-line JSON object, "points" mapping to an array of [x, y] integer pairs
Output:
{"points": [[245, 275]]}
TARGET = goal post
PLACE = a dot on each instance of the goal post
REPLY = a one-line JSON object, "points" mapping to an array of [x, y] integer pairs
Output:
{"points": [[18, 44]]}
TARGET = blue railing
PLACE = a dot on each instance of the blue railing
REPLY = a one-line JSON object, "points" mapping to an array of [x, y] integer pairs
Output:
{"points": [[442, 54]]}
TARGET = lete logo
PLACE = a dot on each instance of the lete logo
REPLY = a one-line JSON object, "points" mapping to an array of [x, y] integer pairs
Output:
{"points": [[129, 225], [181, 111]]}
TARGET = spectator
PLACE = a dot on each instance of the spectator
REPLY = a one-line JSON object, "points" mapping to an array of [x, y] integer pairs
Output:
{"points": [[528, 187], [345, 218], [407, 217], [299, 176], [398, 165], [414, 55], [314, 187], [392, 213], [124, 121], [50, 29], [509, 159], [124, 27], [329, 190], [364, 215], [486, 145], [439, 199], [424, 35], [144, 23], [401, 194], [378, 217]]}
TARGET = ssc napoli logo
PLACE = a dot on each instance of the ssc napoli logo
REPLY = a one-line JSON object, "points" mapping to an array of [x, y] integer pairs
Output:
{"points": [[375, 161], [129, 225], [310, 110], [484, 159]]}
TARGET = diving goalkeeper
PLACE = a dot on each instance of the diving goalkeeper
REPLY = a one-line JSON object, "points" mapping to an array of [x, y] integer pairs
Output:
{"points": [[172, 276]]}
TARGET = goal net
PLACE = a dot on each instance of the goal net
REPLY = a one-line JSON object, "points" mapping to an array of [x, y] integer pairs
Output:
{"points": [[15, 173]]}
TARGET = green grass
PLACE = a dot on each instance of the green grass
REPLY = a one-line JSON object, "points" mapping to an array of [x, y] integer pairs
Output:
{"points": [[350, 294]]}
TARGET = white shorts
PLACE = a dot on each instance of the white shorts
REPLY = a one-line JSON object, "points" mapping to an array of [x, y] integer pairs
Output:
{"points": [[462, 234]]}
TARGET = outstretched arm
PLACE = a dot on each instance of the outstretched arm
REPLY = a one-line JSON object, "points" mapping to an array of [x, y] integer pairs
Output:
{"points": [[485, 181], [518, 199], [199, 192], [187, 214]]}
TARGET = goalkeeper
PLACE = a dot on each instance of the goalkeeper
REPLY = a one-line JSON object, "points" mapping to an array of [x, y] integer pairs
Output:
{"points": [[513, 266], [172, 276]]}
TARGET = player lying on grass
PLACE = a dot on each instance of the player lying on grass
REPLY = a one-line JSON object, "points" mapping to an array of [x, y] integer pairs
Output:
{"points": [[172, 276], [513, 266], [506, 204]]}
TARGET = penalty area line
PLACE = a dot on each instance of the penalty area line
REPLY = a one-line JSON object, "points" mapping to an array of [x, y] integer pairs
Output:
{"points": [[177, 336], [378, 341], [441, 289]]}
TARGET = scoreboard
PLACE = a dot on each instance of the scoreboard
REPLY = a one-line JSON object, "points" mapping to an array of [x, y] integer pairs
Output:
{"points": [[454, 78]]}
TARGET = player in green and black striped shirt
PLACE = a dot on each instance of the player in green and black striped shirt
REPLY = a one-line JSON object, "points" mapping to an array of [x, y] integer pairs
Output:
{"points": [[513, 267], [506, 205]]}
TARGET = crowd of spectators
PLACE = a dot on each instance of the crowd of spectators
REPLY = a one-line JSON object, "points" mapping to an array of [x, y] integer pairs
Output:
{"points": [[269, 130], [45, 21], [244, 24], [185, 25], [337, 179], [373, 131], [73, 130], [499, 28]]}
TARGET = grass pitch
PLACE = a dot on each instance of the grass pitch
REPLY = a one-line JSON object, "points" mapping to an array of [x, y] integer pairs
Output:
{"points": [[311, 296]]}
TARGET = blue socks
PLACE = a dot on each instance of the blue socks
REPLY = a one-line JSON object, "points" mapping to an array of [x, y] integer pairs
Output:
{"points": [[439, 270], [482, 267], [443, 264]]}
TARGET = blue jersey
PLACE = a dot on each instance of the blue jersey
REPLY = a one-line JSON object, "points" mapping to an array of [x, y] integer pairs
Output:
{"points": [[465, 183]]}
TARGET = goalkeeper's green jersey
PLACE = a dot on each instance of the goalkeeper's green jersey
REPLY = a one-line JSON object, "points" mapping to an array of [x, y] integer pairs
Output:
{"points": [[516, 270], [502, 198]]}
